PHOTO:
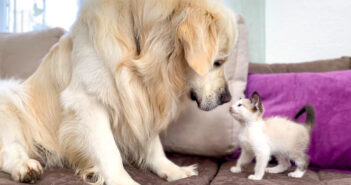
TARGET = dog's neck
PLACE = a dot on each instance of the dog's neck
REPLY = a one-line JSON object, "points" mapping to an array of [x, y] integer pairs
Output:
{"points": [[161, 61], [156, 76]]}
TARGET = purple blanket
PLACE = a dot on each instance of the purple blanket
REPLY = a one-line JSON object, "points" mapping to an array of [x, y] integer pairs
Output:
{"points": [[329, 93]]}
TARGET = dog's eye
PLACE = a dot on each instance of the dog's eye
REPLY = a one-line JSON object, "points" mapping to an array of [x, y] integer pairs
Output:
{"points": [[239, 105], [218, 63]]}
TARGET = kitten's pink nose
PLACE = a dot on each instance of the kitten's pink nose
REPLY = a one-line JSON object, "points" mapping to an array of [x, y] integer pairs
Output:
{"points": [[231, 109]]}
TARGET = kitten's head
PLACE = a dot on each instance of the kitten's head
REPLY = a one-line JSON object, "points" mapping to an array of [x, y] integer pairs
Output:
{"points": [[247, 109]]}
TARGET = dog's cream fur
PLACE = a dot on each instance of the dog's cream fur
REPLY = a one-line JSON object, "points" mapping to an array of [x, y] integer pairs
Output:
{"points": [[111, 85]]}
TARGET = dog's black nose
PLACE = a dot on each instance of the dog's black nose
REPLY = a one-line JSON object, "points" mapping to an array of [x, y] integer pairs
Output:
{"points": [[225, 97], [193, 96]]}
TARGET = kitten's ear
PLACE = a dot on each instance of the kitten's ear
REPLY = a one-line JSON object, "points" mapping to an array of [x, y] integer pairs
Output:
{"points": [[256, 101], [255, 98]]}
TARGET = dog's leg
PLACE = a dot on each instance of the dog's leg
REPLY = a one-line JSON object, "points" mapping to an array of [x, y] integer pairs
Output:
{"points": [[163, 167], [90, 133], [13, 155], [16, 162]]}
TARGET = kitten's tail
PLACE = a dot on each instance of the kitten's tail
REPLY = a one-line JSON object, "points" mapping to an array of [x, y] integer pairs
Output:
{"points": [[310, 116]]}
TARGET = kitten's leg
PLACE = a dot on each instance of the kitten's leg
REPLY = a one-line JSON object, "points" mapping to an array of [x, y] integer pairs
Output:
{"points": [[262, 158], [301, 162], [283, 165], [245, 158]]}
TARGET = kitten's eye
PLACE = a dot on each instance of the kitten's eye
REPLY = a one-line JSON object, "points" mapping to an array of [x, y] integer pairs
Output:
{"points": [[218, 63], [239, 105]]}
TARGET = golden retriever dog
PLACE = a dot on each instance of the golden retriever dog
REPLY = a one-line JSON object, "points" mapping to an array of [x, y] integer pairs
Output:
{"points": [[103, 94]]}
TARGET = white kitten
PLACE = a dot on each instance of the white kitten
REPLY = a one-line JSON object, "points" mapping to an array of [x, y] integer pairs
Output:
{"points": [[260, 138]]}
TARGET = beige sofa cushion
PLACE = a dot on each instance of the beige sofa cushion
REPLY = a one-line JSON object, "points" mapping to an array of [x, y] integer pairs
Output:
{"points": [[20, 54], [212, 133]]}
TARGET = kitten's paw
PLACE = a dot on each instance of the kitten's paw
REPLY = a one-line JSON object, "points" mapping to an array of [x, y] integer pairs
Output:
{"points": [[254, 177], [29, 171], [296, 174], [235, 169]]}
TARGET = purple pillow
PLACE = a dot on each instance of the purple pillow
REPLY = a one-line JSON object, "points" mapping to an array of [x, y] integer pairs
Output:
{"points": [[330, 94]]}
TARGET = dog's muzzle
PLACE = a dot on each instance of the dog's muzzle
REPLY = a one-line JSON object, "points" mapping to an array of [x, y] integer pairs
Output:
{"points": [[225, 97]]}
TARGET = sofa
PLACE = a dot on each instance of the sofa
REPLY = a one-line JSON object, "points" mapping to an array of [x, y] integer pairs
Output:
{"points": [[213, 165]]}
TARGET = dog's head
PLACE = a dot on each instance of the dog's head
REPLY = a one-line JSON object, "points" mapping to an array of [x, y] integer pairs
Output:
{"points": [[207, 34]]}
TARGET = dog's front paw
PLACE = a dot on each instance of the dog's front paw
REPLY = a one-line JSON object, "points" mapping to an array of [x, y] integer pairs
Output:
{"points": [[128, 182], [235, 169], [190, 170], [29, 171], [254, 177], [176, 173], [120, 180]]}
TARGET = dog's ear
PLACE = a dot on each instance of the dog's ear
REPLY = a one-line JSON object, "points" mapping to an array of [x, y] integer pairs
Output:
{"points": [[197, 33]]}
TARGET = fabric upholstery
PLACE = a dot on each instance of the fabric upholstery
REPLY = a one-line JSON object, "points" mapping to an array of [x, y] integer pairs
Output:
{"points": [[21, 54], [211, 133], [50, 177], [337, 64]]}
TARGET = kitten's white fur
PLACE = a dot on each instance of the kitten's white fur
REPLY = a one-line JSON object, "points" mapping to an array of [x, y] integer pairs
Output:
{"points": [[260, 138]]}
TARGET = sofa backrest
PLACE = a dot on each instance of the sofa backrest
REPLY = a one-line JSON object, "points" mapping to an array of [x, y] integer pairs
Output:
{"points": [[338, 64], [21, 54]]}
